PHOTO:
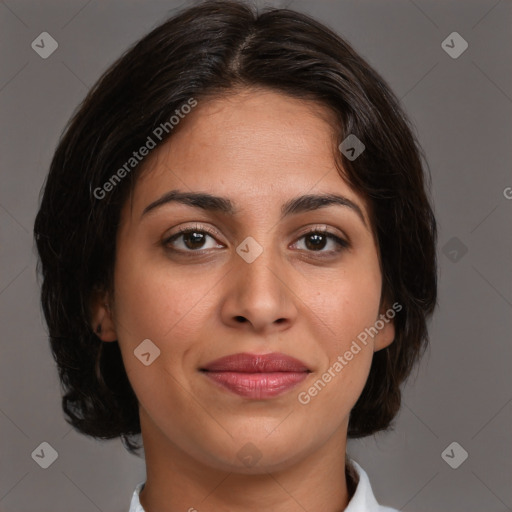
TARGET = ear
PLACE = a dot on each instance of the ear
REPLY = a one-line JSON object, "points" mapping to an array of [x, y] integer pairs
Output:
{"points": [[386, 324], [102, 322]]}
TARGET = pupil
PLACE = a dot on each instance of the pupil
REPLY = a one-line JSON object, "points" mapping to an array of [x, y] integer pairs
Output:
{"points": [[318, 241], [193, 239]]}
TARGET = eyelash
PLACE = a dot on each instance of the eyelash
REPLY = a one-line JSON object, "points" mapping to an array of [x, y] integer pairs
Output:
{"points": [[342, 244]]}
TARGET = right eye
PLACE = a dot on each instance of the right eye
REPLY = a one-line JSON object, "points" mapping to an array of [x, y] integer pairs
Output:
{"points": [[190, 239]]}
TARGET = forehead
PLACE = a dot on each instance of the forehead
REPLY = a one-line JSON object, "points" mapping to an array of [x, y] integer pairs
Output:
{"points": [[255, 146]]}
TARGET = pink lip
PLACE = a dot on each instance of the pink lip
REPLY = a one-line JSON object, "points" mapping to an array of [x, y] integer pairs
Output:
{"points": [[257, 376]]}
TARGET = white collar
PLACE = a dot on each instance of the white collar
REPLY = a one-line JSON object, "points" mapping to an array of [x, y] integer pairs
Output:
{"points": [[363, 499]]}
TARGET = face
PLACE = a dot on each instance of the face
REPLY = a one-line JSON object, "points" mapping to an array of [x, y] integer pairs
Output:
{"points": [[258, 273]]}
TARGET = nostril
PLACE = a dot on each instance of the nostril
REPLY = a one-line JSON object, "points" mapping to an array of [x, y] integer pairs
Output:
{"points": [[240, 319]]}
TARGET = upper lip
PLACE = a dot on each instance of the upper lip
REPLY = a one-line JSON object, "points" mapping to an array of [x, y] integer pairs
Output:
{"points": [[256, 363]]}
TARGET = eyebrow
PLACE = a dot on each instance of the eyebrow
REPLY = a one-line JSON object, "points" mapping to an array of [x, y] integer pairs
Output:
{"points": [[208, 202]]}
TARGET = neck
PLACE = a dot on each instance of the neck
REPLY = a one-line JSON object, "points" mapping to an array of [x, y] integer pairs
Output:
{"points": [[177, 481]]}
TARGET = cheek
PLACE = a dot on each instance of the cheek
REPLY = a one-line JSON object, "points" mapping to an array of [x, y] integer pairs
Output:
{"points": [[168, 309], [151, 302], [345, 306]]}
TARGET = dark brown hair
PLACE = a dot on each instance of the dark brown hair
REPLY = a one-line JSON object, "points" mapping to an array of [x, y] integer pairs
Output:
{"points": [[206, 50]]}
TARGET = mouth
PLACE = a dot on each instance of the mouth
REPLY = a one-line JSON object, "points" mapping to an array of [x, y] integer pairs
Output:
{"points": [[256, 376]]}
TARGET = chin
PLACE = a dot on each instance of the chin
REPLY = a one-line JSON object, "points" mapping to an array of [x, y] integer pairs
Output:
{"points": [[260, 453]]}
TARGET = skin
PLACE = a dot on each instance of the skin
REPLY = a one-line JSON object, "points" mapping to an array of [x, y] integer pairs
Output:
{"points": [[258, 148]]}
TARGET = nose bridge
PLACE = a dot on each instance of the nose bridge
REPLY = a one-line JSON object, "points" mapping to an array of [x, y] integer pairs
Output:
{"points": [[258, 266], [257, 292]]}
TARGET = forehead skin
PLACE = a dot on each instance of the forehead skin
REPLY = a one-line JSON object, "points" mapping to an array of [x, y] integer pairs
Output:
{"points": [[264, 140]]}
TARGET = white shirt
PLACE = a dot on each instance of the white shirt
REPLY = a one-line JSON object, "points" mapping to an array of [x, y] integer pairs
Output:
{"points": [[363, 499]]}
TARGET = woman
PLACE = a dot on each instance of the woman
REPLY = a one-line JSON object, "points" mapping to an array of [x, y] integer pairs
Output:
{"points": [[238, 261]]}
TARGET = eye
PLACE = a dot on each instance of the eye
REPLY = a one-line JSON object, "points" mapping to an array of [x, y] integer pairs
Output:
{"points": [[196, 238], [191, 239], [320, 238]]}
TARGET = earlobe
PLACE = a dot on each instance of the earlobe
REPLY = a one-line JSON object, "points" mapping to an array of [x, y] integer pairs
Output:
{"points": [[386, 334], [102, 322], [385, 337]]}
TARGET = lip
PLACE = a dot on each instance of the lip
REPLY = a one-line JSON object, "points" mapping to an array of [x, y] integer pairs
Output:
{"points": [[257, 376]]}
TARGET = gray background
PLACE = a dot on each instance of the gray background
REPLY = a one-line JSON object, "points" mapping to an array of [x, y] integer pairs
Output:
{"points": [[462, 112]]}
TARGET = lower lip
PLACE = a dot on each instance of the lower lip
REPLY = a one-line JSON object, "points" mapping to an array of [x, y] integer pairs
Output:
{"points": [[257, 385]]}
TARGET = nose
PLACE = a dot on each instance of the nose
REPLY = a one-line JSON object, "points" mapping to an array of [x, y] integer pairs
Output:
{"points": [[259, 296]]}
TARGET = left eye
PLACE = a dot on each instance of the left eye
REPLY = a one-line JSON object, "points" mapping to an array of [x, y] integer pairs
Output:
{"points": [[316, 241]]}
